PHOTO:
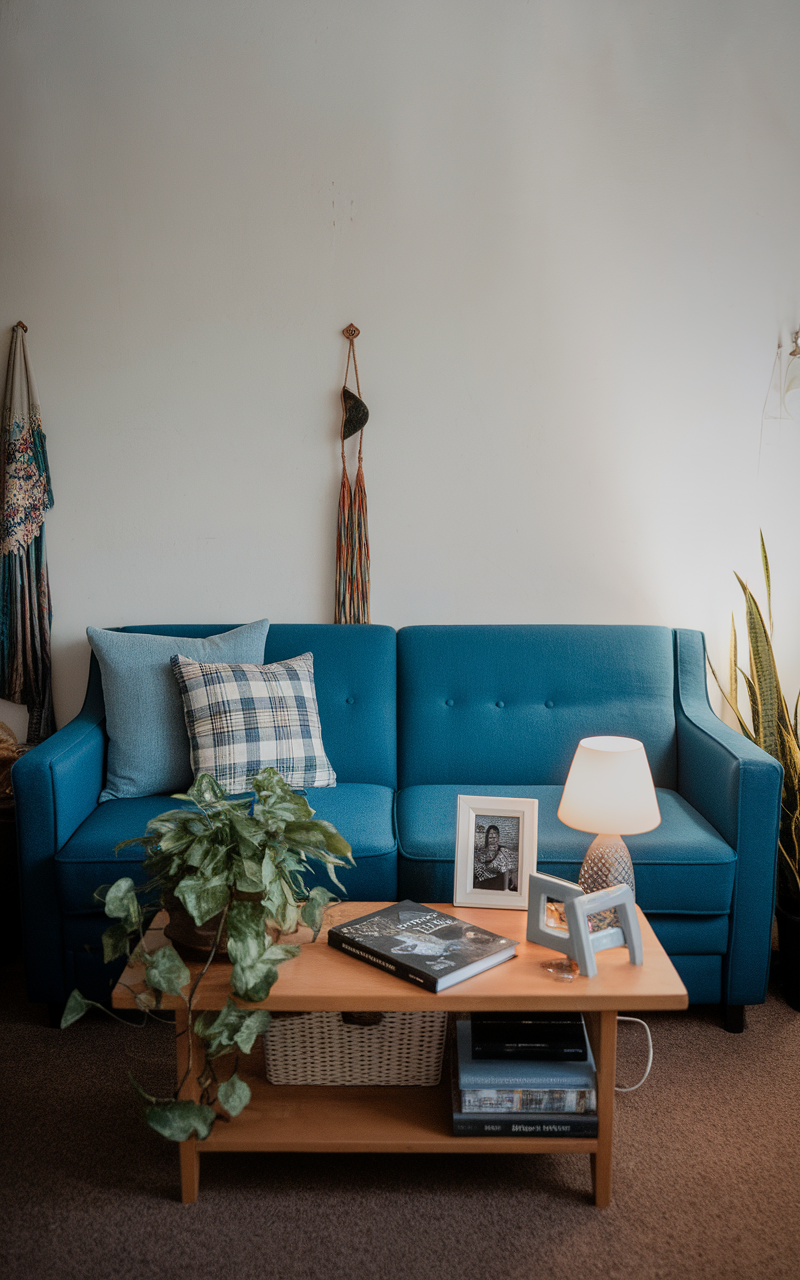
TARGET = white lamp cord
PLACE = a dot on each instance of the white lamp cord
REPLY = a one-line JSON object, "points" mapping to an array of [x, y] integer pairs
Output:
{"points": [[630, 1088]]}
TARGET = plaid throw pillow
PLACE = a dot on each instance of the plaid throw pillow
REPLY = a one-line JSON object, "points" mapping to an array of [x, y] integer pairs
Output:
{"points": [[242, 718]]}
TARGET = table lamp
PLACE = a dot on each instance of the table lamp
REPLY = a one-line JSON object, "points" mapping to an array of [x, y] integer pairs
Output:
{"points": [[609, 789]]}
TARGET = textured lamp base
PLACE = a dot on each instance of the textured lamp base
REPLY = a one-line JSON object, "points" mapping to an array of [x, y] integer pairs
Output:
{"points": [[607, 863]]}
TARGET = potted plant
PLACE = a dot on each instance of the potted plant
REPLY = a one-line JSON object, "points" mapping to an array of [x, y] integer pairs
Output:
{"points": [[776, 731], [231, 873]]}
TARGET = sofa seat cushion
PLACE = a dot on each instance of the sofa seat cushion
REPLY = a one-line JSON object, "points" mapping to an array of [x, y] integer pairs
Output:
{"points": [[361, 812], [682, 867]]}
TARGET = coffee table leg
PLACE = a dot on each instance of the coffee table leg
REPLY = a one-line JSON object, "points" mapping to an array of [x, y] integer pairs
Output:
{"points": [[189, 1155], [602, 1028], [190, 1171]]}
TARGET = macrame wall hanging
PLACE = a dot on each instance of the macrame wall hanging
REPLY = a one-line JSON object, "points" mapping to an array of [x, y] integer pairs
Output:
{"points": [[352, 542]]}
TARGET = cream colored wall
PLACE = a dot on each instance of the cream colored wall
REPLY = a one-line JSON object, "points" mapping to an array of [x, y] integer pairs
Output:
{"points": [[567, 229]]}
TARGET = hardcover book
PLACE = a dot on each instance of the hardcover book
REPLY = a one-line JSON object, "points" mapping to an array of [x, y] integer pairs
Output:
{"points": [[486, 1101], [529, 1036], [423, 946], [519, 1124], [515, 1073]]}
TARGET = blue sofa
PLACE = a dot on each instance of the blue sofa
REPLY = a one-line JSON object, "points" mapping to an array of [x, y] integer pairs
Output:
{"points": [[410, 720]]}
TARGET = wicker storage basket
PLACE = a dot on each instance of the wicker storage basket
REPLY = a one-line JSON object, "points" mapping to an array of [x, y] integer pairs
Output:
{"points": [[353, 1048]]}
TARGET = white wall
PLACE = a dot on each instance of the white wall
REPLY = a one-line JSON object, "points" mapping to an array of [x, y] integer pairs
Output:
{"points": [[567, 230]]}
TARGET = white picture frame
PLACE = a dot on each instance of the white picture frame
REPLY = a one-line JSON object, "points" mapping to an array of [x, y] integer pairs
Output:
{"points": [[485, 874]]}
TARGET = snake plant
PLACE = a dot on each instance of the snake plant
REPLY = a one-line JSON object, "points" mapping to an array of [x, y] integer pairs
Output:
{"points": [[771, 727]]}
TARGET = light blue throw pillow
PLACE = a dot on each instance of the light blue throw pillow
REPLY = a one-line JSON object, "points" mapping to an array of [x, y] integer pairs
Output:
{"points": [[148, 745]]}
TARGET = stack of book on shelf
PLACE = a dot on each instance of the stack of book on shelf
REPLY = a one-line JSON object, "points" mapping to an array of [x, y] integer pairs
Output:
{"points": [[524, 1075]]}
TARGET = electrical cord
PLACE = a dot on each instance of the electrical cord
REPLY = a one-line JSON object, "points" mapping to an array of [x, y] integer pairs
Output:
{"points": [[630, 1088]]}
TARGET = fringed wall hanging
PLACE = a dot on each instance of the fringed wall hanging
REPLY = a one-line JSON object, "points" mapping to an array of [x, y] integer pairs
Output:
{"points": [[352, 540], [25, 493]]}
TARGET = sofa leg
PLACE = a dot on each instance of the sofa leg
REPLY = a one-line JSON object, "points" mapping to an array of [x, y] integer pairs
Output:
{"points": [[733, 1017]]}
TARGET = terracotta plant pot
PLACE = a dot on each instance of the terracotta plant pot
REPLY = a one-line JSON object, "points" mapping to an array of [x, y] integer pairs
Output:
{"points": [[194, 941], [789, 954]]}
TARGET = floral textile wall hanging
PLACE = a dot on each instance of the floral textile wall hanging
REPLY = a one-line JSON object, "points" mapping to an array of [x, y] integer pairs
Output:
{"points": [[25, 497]]}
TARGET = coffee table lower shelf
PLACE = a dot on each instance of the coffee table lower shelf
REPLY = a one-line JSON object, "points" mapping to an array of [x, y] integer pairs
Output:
{"points": [[357, 1118], [360, 1118]]}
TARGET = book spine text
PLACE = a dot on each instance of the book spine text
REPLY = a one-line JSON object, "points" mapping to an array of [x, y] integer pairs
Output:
{"points": [[521, 1126], [396, 967]]}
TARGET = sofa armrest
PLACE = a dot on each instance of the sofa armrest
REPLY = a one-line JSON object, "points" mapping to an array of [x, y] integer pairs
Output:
{"points": [[56, 787], [737, 788]]}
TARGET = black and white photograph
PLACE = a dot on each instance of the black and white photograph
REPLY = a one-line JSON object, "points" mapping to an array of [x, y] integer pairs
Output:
{"points": [[495, 851], [495, 863]]}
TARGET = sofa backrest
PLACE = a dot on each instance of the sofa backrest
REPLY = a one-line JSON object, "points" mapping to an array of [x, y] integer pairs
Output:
{"points": [[509, 704], [355, 677], [355, 673]]}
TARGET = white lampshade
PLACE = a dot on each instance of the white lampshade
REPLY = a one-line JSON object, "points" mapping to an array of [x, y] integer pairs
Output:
{"points": [[609, 788]]}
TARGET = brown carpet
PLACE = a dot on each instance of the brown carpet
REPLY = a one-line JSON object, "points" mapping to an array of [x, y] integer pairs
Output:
{"points": [[706, 1174]]}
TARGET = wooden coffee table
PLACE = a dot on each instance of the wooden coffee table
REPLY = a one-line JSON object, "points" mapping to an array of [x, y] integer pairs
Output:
{"points": [[385, 1118]]}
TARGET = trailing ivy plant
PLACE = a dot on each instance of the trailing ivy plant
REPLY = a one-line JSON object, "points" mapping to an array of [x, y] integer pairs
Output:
{"points": [[241, 864]]}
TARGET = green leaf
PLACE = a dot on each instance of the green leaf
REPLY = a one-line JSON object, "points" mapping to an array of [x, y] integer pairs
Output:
{"points": [[273, 902], [774, 730], [121, 903], [203, 898], [250, 835], [253, 980], [306, 835], [253, 957], [326, 832], [268, 872], [772, 709], [205, 790], [75, 1008], [767, 580], [187, 822], [247, 926], [166, 971], [254, 1024], [287, 918], [115, 942], [313, 910], [276, 953], [276, 803], [197, 851], [247, 875], [755, 707], [253, 974], [733, 667], [234, 1094], [334, 877], [734, 708], [128, 844], [180, 1120], [760, 683], [172, 839], [252, 870], [232, 1027]]}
